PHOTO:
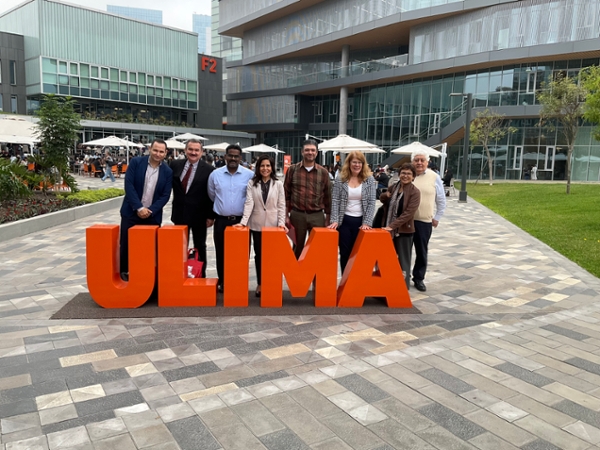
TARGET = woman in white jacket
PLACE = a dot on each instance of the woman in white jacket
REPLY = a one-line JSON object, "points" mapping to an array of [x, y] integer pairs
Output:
{"points": [[264, 207]]}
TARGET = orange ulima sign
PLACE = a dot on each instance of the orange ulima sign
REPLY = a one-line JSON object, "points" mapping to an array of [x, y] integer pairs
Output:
{"points": [[159, 255]]}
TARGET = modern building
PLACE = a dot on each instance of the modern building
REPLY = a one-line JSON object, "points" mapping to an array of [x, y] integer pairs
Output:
{"points": [[384, 72], [12, 73], [138, 80], [201, 25], [225, 47], [145, 15]]}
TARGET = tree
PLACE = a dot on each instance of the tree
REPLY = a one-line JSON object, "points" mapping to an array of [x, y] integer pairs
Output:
{"points": [[57, 130], [562, 102], [590, 77], [486, 128]]}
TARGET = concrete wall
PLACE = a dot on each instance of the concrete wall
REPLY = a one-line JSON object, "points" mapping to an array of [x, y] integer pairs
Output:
{"points": [[12, 48]]}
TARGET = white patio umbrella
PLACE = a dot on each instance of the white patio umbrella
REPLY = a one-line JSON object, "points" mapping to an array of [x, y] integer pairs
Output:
{"points": [[410, 148], [188, 136], [221, 147], [14, 139], [113, 141], [176, 145], [346, 144], [263, 148]]}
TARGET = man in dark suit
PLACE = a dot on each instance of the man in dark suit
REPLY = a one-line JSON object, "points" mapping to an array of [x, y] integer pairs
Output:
{"points": [[191, 203], [147, 190]]}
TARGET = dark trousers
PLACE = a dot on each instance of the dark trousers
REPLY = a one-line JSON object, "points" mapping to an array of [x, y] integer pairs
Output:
{"points": [[348, 232], [219, 238], [257, 242], [403, 245], [199, 236], [303, 223], [126, 224], [421, 241]]}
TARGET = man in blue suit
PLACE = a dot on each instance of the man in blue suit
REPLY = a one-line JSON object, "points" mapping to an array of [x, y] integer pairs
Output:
{"points": [[147, 190]]}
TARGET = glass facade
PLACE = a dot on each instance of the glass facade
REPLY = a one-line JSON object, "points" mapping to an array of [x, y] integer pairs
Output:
{"points": [[524, 24], [147, 15], [396, 113], [304, 71], [322, 19], [275, 109], [110, 83], [201, 24]]}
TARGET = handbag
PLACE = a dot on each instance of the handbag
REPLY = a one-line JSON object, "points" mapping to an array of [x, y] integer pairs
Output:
{"points": [[194, 266], [378, 219]]}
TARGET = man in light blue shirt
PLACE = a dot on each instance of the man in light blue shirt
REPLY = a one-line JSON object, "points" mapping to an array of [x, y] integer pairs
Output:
{"points": [[227, 189]]}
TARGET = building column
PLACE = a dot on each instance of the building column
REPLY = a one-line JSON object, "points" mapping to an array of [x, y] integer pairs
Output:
{"points": [[343, 112]]}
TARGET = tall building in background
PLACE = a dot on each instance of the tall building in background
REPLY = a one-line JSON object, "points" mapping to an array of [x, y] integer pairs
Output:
{"points": [[226, 47], [201, 25], [147, 15], [147, 81], [384, 71]]}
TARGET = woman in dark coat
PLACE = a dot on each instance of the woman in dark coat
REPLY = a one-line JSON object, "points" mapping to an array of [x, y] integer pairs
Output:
{"points": [[401, 202]]}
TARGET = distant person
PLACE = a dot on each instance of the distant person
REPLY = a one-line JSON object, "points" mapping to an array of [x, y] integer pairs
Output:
{"points": [[108, 163], [448, 175], [534, 172], [352, 203], [264, 207], [147, 191]]}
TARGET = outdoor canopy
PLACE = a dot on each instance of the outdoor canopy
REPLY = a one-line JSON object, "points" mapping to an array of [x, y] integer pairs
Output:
{"points": [[410, 148], [346, 144], [221, 147], [188, 136]]}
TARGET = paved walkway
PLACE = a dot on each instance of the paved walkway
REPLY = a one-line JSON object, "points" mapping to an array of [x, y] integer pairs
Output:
{"points": [[505, 355]]}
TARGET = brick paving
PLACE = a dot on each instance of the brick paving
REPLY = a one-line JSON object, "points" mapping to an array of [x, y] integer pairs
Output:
{"points": [[505, 355]]}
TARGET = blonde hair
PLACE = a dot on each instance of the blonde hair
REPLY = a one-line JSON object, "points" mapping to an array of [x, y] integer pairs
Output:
{"points": [[365, 173]]}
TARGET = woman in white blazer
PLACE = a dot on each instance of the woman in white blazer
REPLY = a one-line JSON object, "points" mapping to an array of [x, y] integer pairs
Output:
{"points": [[264, 207]]}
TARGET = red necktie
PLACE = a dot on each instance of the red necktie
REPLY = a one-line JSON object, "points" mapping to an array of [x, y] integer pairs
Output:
{"points": [[186, 178]]}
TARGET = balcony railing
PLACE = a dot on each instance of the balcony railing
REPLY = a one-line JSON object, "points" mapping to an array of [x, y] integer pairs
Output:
{"points": [[352, 70]]}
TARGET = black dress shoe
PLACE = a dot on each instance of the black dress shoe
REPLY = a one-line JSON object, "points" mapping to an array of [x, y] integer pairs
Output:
{"points": [[420, 285], [220, 288], [125, 276]]}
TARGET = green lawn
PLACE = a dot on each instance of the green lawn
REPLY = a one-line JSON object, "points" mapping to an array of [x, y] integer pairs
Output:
{"points": [[570, 224]]}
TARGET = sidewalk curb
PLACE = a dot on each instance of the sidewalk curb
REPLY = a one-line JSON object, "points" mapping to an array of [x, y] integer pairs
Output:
{"points": [[34, 224]]}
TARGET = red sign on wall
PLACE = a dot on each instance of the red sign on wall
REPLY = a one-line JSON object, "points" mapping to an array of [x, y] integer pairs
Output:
{"points": [[210, 63]]}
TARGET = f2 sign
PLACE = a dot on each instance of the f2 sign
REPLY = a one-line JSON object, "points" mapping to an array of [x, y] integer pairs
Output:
{"points": [[205, 62], [318, 262]]}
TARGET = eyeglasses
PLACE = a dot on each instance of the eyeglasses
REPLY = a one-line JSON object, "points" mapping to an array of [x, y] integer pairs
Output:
{"points": [[406, 174]]}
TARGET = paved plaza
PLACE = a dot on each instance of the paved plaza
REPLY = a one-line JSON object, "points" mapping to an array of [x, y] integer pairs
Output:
{"points": [[505, 355]]}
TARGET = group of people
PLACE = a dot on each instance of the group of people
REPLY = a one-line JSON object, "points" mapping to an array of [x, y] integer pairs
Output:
{"points": [[232, 195]]}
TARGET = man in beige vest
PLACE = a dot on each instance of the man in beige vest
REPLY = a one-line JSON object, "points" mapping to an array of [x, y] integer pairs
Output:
{"points": [[427, 217]]}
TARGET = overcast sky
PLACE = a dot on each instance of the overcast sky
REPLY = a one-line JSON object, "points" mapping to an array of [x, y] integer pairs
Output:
{"points": [[176, 13]]}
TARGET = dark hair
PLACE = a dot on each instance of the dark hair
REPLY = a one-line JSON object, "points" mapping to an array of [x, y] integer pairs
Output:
{"points": [[408, 166], [310, 142], [160, 141], [257, 176], [233, 147]]}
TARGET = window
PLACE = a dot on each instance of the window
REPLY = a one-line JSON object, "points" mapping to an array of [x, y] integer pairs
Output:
{"points": [[13, 72], [13, 104], [0, 79], [1, 109], [416, 125]]}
